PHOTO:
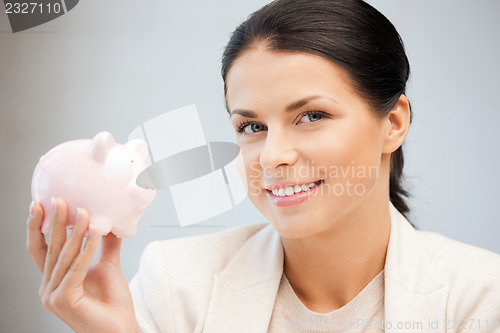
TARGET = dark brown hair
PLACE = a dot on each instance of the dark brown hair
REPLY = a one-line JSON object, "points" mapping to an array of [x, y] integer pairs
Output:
{"points": [[350, 33]]}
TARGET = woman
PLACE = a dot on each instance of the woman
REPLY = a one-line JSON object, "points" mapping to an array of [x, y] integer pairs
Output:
{"points": [[315, 90]]}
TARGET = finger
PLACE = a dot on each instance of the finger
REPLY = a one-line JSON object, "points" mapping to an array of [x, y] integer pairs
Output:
{"points": [[35, 241], [110, 249], [57, 238], [70, 250], [78, 270]]}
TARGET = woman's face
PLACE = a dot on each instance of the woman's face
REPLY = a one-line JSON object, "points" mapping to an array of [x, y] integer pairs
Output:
{"points": [[298, 121]]}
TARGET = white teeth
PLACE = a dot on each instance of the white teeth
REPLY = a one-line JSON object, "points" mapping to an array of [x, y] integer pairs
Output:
{"points": [[291, 190]]}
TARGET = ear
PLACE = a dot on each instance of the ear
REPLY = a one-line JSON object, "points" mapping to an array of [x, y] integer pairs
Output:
{"points": [[139, 147], [100, 146], [397, 125]]}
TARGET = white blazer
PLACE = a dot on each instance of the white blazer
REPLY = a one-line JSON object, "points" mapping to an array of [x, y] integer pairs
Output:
{"points": [[228, 281]]}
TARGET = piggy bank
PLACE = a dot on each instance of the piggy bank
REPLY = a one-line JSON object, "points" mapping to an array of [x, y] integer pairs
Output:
{"points": [[98, 175]]}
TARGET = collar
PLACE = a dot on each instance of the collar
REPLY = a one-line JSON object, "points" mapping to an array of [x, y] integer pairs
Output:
{"points": [[415, 296]]}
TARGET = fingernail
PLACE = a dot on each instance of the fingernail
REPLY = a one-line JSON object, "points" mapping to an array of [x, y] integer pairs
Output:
{"points": [[53, 203], [32, 209], [78, 214]]}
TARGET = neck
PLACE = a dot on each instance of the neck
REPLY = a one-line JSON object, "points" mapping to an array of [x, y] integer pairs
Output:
{"points": [[330, 268]]}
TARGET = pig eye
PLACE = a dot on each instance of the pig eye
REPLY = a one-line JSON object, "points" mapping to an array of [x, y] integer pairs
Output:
{"points": [[132, 161]]}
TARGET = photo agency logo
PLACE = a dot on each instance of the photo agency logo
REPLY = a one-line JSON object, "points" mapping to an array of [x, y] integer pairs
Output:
{"points": [[201, 176], [348, 179], [26, 15]]}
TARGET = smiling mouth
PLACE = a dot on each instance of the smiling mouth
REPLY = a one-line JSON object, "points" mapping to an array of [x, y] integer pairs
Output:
{"points": [[293, 190]]}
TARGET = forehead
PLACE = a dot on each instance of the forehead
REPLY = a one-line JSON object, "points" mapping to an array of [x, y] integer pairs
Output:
{"points": [[261, 76]]}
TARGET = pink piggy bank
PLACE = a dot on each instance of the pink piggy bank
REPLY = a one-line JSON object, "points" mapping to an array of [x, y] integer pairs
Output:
{"points": [[98, 175]]}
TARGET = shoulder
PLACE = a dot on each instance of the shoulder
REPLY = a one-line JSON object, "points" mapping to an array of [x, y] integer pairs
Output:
{"points": [[472, 273], [211, 251], [172, 289], [451, 256]]}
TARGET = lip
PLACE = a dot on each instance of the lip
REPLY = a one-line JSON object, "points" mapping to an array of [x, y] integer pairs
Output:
{"points": [[296, 198], [283, 185]]}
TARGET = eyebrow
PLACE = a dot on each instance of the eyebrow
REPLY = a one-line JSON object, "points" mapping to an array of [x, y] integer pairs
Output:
{"points": [[289, 108]]}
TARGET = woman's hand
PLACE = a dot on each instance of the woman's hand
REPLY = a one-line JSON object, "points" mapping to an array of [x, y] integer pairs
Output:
{"points": [[88, 300]]}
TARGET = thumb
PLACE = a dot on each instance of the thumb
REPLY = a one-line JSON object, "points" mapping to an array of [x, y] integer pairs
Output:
{"points": [[110, 249]]}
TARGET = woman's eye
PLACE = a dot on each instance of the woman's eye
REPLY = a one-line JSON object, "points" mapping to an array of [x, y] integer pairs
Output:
{"points": [[311, 117], [250, 128], [253, 128]]}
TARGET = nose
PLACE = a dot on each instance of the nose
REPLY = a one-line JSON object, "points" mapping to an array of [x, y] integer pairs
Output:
{"points": [[279, 149]]}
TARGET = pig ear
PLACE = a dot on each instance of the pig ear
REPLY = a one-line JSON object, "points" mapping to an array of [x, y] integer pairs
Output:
{"points": [[100, 146], [139, 147]]}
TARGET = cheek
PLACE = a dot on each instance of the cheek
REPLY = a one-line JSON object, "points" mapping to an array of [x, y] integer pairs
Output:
{"points": [[349, 156], [360, 140], [247, 164], [240, 166]]}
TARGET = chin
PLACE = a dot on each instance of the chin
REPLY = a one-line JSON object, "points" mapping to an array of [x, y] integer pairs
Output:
{"points": [[290, 222], [294, 228]]}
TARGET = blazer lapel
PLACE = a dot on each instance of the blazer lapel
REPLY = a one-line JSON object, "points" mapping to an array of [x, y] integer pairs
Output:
{"points": [[415, 297], [244, 292]]}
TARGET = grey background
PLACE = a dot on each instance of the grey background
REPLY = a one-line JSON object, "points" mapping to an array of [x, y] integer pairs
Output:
{"points": [[111, 65]]}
